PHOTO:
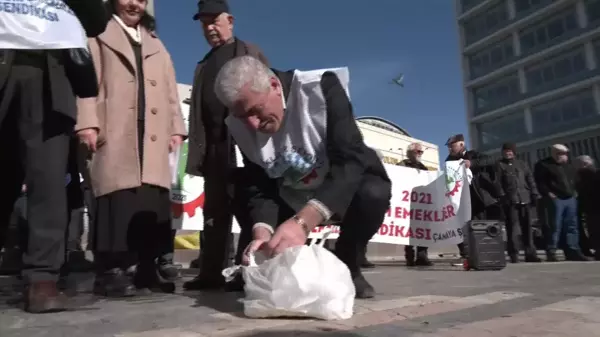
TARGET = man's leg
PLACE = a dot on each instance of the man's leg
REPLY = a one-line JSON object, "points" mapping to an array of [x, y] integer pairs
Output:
{"points": [[527, 234], [362, 220], [409, 255], [555, 212], [423, 257], [570, 223], [513, 232]]}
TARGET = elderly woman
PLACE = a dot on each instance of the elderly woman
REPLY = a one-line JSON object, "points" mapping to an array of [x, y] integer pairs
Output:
{"points": [[414, 152], [586, 184], [130, 127]]}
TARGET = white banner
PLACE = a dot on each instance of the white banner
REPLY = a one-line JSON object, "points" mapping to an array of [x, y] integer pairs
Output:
{"points": [[39, 24]]}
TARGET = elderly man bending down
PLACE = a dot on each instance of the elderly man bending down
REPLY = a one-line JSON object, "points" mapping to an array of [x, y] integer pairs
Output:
{"points": [[305, 160]]}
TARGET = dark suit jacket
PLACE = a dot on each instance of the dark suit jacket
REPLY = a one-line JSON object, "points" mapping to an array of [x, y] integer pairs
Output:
{"points": [[516, 181], [350, 160], [197, 142], [93, 18]]}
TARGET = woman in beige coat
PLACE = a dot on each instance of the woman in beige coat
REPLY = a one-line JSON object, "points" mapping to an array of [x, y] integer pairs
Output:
{"points": [[130, 128]]}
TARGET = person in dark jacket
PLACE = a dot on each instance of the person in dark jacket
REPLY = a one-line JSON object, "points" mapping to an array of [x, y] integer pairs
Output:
{"points": [[484, 189], [312, 169], [414, 152], [519, 194], [586, 184], [37, 116], [555, 180], [211, 151]]}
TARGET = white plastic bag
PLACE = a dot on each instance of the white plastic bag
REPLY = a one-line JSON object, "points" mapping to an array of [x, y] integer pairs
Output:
{"points": [[303, 281]]}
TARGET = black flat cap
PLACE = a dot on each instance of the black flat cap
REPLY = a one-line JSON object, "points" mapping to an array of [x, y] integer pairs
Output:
{"points": [[211, 8], [456, 138], [509, 146]]}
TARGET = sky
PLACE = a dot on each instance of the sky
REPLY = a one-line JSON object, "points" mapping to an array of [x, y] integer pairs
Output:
{"points": [[377, 42]]}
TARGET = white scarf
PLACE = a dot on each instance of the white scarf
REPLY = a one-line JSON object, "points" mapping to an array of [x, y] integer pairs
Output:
{"points": [[134, 33]]}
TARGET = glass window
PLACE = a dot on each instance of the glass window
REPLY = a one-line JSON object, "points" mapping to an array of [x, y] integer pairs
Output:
{"points": [[571, 111], [548, 30], [526, 5], [556, 68], [496, 94], [592, 8], [506, 128], [486, 23], [468, 4], [490, 58]]}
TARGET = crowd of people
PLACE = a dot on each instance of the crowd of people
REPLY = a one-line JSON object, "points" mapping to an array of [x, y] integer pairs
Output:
{"points": [[305, 162]]}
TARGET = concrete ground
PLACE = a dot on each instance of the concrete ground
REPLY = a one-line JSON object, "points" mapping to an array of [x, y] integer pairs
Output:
{"points": [[525, 300]]}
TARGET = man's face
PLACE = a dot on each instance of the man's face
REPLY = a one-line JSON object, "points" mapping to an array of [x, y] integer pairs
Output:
{"points": [[262, 112], [456, 148], [218, 29], [561, 157], [508, 154], [131, 11], [416, 154]]}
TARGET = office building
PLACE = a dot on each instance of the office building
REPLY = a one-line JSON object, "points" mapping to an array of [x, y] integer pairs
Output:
{"points": [[531, 74]]}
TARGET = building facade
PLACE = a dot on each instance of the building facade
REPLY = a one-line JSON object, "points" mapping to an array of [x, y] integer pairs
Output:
{"points": [[389, 139], [531, 74]]}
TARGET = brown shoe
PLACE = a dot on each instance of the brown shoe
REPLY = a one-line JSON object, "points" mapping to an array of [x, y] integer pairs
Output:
{"points": [[44, 297]]}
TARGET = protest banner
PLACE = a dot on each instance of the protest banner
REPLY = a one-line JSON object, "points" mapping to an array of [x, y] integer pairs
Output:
{"points": [[41, 24]]}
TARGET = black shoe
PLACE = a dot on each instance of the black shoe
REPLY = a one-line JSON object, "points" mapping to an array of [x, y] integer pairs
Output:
{"points": [[235, 285], [195, 264], [205, 281], [148, 278], [169, 270], [532, 258], [114, 283], [551, 256], [587, 252], [576, 256], [363, 288], [514, 258], [366, 264], [423, 260]]}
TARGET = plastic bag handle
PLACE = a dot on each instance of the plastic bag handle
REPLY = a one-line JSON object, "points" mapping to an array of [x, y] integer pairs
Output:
{"points": [[326, 234]]}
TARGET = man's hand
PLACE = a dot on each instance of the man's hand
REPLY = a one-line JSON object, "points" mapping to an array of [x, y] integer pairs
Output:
{"points": [[174, 143], [551, 195], [288, 234], [467, 163], [89, 137], [260, 237]]}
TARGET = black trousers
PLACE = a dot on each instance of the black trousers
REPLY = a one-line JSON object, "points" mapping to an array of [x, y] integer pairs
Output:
{"points": [[361, 221], [518, 228], [34, 144]]}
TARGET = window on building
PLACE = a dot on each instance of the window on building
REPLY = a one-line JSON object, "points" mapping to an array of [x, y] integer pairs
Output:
{"points": [[564, 114], [508, 128], [556, 70], [495, 95], [597, 51], [523, 6], [548, 31], [592, 9], [486, 23], [491, 58], [468, 4]]}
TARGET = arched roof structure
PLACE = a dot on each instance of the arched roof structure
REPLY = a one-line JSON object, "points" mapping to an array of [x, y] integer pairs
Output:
{"points": [[383, 124]]}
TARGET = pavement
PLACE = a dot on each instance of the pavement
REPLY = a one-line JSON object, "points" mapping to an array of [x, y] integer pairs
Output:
{"points": [[525, 300]]}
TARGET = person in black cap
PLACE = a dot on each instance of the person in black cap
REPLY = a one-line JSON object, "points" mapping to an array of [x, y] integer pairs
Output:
{"points": [[211, 149], [484, 190], [519, 195]]}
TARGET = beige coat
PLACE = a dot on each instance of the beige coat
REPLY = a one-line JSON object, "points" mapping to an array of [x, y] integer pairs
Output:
{"points": [[115, 165]]}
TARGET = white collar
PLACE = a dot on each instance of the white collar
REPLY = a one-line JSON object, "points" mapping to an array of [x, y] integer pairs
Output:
{"points": [[134, 33]]}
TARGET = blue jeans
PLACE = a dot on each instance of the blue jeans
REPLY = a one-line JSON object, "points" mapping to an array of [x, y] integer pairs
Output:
{"points": [[562, 215]]}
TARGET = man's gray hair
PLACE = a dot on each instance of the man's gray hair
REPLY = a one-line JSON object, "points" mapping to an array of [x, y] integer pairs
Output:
{"points": [[584, 161], [413, 147], [556, 148], [239, 72]]}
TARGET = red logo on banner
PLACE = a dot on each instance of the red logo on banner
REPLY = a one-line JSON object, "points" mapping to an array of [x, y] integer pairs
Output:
{"points": [[189, 207], [454, 190]]}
